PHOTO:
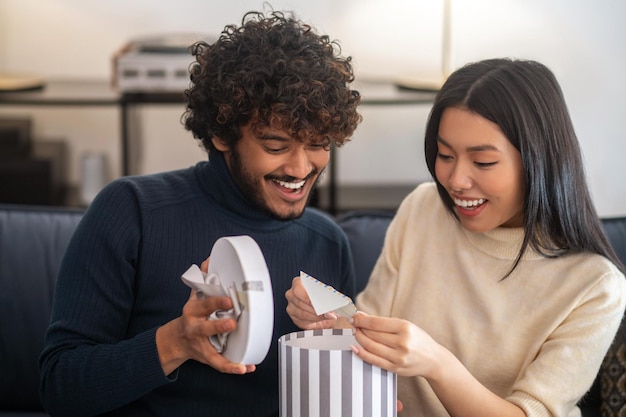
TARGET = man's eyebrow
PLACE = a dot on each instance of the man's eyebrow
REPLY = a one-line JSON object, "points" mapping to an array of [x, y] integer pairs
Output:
{"points": [[476, 148], [272, 136]]}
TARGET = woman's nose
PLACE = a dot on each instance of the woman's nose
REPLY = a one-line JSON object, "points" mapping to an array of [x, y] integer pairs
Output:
{"points": [[460, 178]]}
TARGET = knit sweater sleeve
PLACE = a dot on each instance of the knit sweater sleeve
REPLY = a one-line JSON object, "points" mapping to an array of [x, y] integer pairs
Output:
{"points": [[570, 358], [87, 356]]}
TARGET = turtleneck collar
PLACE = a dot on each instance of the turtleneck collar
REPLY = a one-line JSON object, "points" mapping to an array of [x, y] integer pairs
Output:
{"points": [[501, 242], [218, 184]]}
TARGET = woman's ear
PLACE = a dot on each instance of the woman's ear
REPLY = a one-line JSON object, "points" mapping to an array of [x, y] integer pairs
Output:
{"points": [[219, 144]]}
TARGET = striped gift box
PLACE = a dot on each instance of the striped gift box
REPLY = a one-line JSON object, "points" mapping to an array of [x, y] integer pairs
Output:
{"points": [[321, 377]]}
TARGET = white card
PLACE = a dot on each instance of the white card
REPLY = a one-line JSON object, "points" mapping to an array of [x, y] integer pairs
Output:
{"points": [[325, 298]]}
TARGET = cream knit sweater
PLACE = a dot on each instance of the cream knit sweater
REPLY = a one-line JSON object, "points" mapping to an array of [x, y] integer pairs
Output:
{"points": [[536, 338]]}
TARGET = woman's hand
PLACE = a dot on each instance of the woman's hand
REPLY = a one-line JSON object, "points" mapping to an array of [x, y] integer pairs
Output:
{"points": [[395, 344], [301, 310], [401, 347]]}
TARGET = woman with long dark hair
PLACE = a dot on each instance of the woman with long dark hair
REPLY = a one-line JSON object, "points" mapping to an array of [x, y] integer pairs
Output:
{"points": [[497, 292]]}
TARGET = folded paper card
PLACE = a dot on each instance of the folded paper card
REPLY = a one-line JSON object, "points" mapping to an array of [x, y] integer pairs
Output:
{"points": [[237, 269], [326, 299]]}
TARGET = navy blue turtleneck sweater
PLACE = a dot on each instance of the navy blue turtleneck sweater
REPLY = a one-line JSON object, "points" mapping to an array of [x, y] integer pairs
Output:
{"points": [[120, 280]]}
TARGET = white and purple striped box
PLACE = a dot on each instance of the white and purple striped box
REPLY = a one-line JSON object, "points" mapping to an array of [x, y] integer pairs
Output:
{"points": [[321, 377]]}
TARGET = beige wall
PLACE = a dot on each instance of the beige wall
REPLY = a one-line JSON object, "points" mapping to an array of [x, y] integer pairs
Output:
{"points": [[582, 41]]}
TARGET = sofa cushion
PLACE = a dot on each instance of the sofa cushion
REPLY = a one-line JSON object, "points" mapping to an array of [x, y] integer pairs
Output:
{"points": [[32, 243], [366, 232]]}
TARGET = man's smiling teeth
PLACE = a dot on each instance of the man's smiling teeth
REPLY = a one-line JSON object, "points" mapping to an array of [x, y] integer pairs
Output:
{"points": [[291, 185], [468, 203]]}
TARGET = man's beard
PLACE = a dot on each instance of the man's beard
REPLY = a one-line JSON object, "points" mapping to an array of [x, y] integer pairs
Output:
{"points": [[253, 192]]}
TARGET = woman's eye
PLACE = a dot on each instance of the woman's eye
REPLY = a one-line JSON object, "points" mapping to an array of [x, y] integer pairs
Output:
{"points": [[444, 157], [485, 164]]}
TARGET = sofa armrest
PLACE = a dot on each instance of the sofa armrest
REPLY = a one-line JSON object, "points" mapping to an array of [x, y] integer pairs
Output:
{"points": [[33, 240], [609, 390]]}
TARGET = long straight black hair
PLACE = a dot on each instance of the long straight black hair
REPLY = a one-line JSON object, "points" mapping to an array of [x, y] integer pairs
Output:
{"points": [[525, 100]]}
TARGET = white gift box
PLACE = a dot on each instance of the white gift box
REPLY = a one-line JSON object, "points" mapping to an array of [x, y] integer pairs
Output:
{"points": [[320, 376]]}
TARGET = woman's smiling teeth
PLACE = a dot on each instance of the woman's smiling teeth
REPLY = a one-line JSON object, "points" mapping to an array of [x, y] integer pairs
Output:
{"points": [[469, 203], [291, 185]]}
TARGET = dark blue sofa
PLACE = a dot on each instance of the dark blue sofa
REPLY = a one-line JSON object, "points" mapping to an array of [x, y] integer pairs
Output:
{"points": [[33, 240]]}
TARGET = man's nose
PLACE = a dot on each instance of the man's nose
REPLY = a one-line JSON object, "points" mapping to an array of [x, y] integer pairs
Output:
{"points": [[298, 164]]}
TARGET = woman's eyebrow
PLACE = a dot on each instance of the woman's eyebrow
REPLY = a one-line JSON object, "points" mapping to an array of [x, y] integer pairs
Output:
{"points": [[475, 148], [479, 148], [443, 142]]}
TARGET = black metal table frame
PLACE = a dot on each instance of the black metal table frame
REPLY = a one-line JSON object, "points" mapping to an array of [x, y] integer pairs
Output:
{"points": [[65, 93]]}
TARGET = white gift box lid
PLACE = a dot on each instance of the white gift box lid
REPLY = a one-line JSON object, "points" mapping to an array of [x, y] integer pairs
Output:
{"points": [[239, 266]]}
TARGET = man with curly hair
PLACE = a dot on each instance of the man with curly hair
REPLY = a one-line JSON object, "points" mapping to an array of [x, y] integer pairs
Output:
{"points": [[267, 101]]}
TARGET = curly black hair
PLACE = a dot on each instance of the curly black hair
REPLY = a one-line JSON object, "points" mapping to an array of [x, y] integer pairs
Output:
{"points": [[271, 71]]}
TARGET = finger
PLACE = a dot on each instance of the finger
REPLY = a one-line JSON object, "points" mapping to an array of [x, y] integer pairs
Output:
{"points": [[194, 295], [299, 291], [213, 327], [300, 309], [308, 320], [297, 294], [223, 365], [304, 319], [204, 266], [207, 306], [377, 323], [321, 324], [331, 315], [398, 357], [385, 330], [390, 340], [373, 359], [385, 348]]}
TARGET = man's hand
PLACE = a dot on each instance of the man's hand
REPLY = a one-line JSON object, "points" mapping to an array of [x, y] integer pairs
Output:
{"points": [[301, 310], [187, 337]]}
